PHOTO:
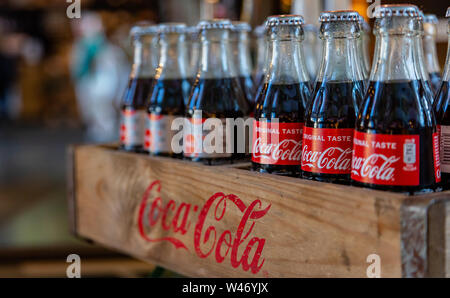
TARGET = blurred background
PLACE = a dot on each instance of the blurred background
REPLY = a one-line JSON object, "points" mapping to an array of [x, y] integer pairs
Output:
{"points": [[54, 73]]}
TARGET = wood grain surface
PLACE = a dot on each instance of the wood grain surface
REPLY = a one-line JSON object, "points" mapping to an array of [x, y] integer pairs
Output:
{"points": [[254, 225]]}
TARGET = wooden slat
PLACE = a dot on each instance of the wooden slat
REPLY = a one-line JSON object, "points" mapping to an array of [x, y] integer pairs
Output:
{"points": [[447, 240], [438, 241], [310, 230]]}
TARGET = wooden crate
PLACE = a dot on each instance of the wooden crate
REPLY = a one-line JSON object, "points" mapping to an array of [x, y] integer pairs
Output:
{"points": [[226, 221]]}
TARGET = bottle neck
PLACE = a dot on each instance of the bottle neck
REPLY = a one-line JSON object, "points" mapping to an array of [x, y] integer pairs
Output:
{"points": [[361, 51], [420, 58], [341, 60], [430, 52], [310, 50], [261, 50], [365, 44], [241, 53], [173, 58], [144, 58], [286, 62], [194, 57], [446, 74], [267, 56], [395, 58], [215, 59]]}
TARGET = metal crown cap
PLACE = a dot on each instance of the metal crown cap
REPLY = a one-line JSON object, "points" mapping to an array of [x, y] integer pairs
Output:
{"points": [[421, 16], [215, 24], [192, 30], [143, 28], [239, 26], [430, 19], [339, 16], [290, 20], [397, 10], [173, 28], [447, 15]]}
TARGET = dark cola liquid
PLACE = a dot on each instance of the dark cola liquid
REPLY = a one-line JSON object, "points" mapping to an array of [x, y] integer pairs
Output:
{"points": [[435, 81], [286, 102], [258, 78], [136, 96], [169, 97], [258, 81], [219, 98], [259, 88], [334, 105], [426, 92], [399, 108], [248, 89], [442, 110]]}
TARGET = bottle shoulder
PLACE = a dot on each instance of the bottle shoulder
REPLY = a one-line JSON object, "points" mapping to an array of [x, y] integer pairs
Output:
{"points": [[395, 107]]}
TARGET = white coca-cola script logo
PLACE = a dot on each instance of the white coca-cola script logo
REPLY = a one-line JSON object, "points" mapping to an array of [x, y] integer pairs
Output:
{"points": [[287, 149], [367, 167], [334, 158]]}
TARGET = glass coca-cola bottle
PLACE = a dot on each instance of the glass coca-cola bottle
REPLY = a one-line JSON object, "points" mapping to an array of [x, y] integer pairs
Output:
{"points": [[330, 117], [240, 46], [193, 50], [170, 92], [260, 82], [442, 109], [261, 50], [363, 47], [419, 56], [429, 45], [396, 144], [364, 44], [310, 50], [280, 106], [216, 97], [133, 108]]}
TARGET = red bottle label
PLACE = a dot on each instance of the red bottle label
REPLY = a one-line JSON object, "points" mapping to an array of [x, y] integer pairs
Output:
{"points": [[436, 154], [327, 150], [132, 127], [277, 143], [196, 142], [386, 159], [159, 133]]}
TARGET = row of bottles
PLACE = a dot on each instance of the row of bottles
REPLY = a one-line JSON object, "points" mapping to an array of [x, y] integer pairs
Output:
{"points": [[376, 130], [442, 109], [221, 86], [379, 133]]}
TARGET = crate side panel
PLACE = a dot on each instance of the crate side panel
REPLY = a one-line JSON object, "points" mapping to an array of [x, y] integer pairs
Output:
{"points": [[225, 222]]}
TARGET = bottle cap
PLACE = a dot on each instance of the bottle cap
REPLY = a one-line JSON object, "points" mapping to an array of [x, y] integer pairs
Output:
{"points": [[173, 28], [215, 24], [280, 20], [430, 19], [339, 15], [238, 26], [192, 30], [143, 28], [397, 10]]}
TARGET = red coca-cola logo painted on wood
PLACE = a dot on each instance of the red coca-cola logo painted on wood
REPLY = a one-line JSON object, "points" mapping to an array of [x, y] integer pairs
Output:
{"points": [[178, 219]]}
